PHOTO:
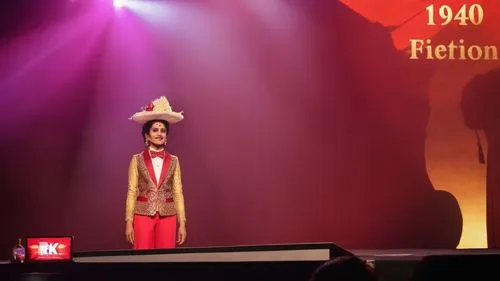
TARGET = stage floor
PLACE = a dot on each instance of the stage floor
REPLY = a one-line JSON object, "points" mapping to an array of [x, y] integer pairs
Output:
{"points": [[273, 252]]}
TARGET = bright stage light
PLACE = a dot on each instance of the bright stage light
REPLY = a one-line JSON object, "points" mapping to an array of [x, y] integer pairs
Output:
{"points": [[118, 3]]}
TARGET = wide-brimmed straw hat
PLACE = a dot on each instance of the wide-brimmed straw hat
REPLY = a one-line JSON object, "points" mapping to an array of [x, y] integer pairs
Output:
{"points": [[158, 109]]}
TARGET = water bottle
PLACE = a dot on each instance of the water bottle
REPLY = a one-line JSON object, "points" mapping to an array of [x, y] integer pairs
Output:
{"points": [[18, 252]]}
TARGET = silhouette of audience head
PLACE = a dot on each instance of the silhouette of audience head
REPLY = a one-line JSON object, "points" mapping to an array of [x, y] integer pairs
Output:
{"points": [[348, 268]]}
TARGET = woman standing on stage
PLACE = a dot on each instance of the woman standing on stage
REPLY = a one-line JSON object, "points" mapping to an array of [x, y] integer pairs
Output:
{"points": [[155, 210]]}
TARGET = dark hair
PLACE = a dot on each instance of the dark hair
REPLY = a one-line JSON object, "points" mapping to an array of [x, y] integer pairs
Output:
{"points": [[147, 126], [347, 268]]}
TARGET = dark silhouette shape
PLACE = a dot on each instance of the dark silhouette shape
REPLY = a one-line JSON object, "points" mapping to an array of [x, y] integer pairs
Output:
{"points": [[346, 268], [377, 111], [480, 107]]}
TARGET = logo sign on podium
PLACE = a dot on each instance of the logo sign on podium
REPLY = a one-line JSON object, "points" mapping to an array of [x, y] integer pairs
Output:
{"points": [[49, 249]]}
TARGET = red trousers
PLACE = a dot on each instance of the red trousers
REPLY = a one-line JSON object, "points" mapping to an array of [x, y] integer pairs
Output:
{"points": [[154, 232]]}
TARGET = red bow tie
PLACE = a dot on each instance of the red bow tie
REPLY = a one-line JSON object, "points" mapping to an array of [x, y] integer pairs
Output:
{"points": [[160, 154]]}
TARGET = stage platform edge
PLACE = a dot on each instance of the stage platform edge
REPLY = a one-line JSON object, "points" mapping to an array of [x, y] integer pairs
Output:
{"points": [[250, 253]]}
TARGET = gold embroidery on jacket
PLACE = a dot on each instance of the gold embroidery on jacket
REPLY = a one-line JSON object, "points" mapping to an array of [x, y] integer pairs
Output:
{"points": [[145, 198]]}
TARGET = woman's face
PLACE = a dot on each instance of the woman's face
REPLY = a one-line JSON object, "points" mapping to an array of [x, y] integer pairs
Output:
{"points": [[157, 134]]}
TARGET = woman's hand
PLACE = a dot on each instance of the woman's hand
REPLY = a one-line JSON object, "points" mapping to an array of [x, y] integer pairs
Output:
{"points": [[181, 234], [129, 232]]}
